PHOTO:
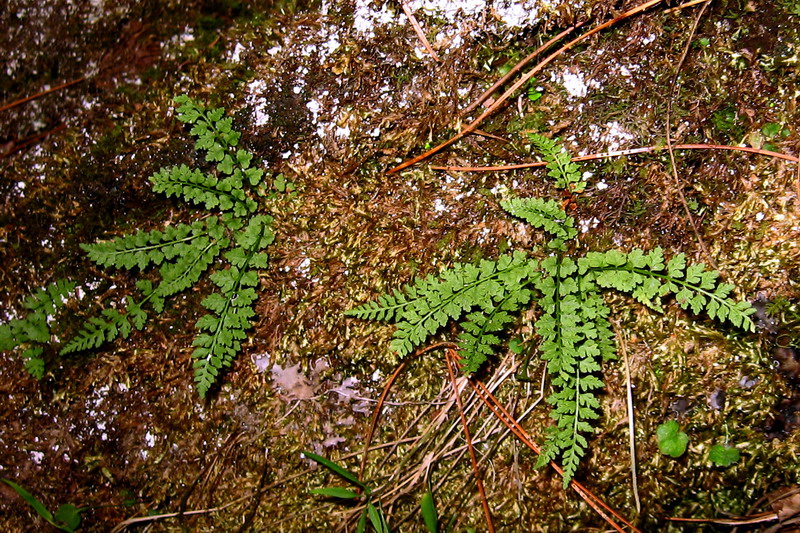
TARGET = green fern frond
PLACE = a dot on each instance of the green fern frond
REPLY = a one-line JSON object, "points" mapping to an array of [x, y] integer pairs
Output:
{"points": [[30, 332], [184, 253], [232, 306], [478, 338], [189, 267], [34, 364], [387, 307], [421, 309], [576, 336], [98, 330], [50, 298], [144, 248], [647, 278], [198, 188], [559, 162], [544, 214]]}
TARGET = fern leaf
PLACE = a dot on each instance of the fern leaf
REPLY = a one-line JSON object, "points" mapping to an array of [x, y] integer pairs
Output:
{"points": [[144, 248], [575, 337], [48, 299], [34, 363], [544, 214], [477, 339], [387, 307], [222, 331], [98, 330], [186, 271], [198, 188], [30, 332], [434, 302], [561, 168], [647, 278]]}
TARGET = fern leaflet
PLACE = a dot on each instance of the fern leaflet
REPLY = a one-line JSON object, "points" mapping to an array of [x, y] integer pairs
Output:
{"points": [[32, 331], [144, 248], [232, 307], [559, 162]]}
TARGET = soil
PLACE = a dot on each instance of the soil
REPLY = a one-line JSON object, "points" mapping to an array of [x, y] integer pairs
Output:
{"points": [[331, 94]]}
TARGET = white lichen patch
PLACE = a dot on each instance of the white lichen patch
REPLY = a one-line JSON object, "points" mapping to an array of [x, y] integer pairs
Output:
{"points": [[612, 135]]}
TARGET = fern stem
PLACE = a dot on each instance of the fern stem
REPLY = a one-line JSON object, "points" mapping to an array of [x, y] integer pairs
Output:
{"points": [[155, 246]]}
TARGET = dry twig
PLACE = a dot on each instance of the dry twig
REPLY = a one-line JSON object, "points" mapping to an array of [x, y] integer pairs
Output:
{"points": [[519, 83]]}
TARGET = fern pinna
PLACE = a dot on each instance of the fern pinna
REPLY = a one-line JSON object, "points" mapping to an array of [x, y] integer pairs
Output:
{"points": [[31, 333], [231, 238], [573, 326]]}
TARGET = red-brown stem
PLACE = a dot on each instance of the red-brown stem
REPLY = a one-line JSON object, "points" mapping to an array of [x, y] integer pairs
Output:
{"points": [[376, 414], [519, 83], [450, 361], [418, 29], [40, 94], [632, 151], [519, 66], [511, 423], [33, 139]]}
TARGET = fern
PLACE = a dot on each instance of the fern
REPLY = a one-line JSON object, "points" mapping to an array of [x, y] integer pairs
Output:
{"points": [[544, 214], [143, 248], [28, 334], [559, 162], [573, 325], [231, 307], [228, 239], [423, 308]]}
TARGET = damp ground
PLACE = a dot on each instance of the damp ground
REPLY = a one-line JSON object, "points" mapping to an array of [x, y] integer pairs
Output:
{"points": [[331, 95]]}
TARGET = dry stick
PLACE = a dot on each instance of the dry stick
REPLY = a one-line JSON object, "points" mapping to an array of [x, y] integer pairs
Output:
{"points": [[450, 361], [449, 449], [618, 153], [497, 408], [797, 190], [756, 519], [519, 83], [417, 28], [377, 413], [43, 93], [137, 520], [674, 169], [33, 139], [631, 430], [497, 382], [519, 66], [684, 6]]}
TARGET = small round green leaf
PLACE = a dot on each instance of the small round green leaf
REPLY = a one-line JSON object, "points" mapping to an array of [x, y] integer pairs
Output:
{"points": [[722, 455], [671, 440]]}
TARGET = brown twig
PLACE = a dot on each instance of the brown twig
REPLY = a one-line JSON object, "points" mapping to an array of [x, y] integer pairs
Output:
{"points": [[674, 165], [376, 414], [519, 66], [450, 361], [519, 83], [619, 153], [43, 93], [418, 29], [32, 139], [510, 422], [684, 6], [755, 519]]}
